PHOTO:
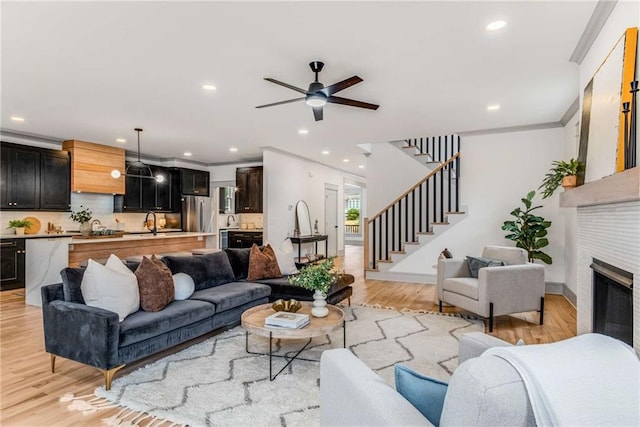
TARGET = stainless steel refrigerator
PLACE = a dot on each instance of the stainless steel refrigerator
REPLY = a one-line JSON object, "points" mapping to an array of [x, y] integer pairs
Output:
{"points": [[199, 214]]}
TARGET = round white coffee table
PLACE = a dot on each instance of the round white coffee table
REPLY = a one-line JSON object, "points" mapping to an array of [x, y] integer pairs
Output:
{"points": [[253, 322]]}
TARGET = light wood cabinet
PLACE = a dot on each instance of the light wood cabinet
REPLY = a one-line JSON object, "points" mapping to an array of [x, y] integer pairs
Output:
{"points": [[91, 166]]}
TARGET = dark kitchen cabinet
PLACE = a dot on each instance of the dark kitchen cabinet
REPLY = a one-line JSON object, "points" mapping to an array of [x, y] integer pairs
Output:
{"points": [[249, 194], [55, 180], [194, 182], [161, 196], [145, 194], [12, 255], [34, 178]]}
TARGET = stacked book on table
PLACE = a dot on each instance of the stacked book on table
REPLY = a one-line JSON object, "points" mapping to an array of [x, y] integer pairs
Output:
{"points": [[283, 319]]}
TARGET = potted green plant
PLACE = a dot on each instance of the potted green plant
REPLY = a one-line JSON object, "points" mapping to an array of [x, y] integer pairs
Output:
{"points": [[19, 225], [316, 277], [561, 173], [83, 216], [529, 231]]}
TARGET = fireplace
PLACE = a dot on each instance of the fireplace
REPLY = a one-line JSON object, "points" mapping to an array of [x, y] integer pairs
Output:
{"points": [[612, 301]]}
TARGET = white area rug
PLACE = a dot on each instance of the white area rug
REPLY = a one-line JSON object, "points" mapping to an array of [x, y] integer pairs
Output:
{"points": [[217, 383]]}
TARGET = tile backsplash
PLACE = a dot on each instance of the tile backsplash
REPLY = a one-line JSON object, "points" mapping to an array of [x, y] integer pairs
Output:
{"points": [[101, 206]]}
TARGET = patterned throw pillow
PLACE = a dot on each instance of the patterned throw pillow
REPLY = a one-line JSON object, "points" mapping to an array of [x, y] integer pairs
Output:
{"points": [[263, 264], [155, 283]]}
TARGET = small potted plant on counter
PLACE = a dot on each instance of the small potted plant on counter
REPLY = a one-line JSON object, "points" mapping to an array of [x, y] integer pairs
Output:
{"points": [[561, 173], [19, 225], [83, 216]]}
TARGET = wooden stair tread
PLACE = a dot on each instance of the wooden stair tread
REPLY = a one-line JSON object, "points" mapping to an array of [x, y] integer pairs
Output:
{"points": [[435, 163], [425, 233], [439, 223], [397, 252], [421, 154], [411, 243], [371, 269], [388, 261], [455, 213]]}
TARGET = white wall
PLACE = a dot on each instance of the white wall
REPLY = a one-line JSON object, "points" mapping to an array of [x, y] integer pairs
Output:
{"points": [[389, 174], [288, 179], [626, 14], [496, 172]]}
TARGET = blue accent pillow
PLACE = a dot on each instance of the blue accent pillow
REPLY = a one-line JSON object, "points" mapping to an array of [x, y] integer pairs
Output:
{"points": [[425, 393], [476, 263]]}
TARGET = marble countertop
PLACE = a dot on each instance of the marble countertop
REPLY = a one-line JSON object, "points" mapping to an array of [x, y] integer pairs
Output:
{"points": [[39, 235], [143, 236]]}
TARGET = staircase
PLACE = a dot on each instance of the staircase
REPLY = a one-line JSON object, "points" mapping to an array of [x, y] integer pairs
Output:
{"points": [[426, 210]]}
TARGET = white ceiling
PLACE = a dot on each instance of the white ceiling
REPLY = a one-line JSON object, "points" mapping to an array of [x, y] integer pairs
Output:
{"points": [[94, 71]]}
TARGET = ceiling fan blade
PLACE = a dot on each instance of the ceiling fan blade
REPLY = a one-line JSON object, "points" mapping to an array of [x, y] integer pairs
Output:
{"points": [[282, 102], [297, 89], [351, 102], [317, 113], [337, 87]]}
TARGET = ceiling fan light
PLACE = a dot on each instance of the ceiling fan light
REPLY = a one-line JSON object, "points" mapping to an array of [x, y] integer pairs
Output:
{"points": [[316, 100], [115, 174], [159, 178]]}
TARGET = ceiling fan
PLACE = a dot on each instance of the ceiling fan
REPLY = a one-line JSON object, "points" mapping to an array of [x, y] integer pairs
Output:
{"points": [[318, 95]]}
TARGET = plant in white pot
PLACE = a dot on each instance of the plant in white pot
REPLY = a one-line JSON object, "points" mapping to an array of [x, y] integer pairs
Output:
{"points": [[319, 278], [83, 216], [19, 225]]}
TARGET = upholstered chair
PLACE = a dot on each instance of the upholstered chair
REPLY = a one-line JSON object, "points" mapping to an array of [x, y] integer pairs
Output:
{"points": [[516, 287]]}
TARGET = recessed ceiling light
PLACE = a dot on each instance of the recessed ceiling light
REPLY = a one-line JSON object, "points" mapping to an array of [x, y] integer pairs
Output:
{"points": [[208, 87], [17, 119], [325, 152], [187, 153], [360, 166], [493, 107], [496, 25], [121, 140], [303, 131], [233, 149], [345, 160]]}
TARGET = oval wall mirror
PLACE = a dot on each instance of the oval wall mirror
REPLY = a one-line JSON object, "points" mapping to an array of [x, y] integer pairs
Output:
{"points": [[303, 220]]}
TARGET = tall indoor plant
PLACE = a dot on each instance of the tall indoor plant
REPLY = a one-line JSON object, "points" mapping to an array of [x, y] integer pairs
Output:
{"points": [[561, 173], [318, 278], [529, 231]]}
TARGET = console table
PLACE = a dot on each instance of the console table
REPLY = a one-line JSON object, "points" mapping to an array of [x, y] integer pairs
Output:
{"points": [[314, 238]]}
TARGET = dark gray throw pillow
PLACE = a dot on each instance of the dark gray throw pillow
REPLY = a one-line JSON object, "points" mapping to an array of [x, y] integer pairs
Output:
{"points": [[71, 283], [239, 259], [476, 263]]}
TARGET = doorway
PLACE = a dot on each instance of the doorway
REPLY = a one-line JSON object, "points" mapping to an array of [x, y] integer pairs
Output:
{"points": [[331, 218]]}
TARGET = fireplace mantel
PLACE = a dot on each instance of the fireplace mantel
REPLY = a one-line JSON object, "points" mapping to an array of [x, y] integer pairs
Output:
{"points": [[621, 187]]}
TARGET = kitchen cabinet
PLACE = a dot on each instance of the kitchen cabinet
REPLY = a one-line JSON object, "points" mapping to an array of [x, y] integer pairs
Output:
{"points": [[194, 182], [55, 180], [161, 196], [34, 178], [91, 166], [12, 254], [20, 177], [144, 194], [244, 239], [249, 193]]}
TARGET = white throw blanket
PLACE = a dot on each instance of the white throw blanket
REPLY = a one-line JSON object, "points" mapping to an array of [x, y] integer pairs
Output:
{"points": [[591, 379]]}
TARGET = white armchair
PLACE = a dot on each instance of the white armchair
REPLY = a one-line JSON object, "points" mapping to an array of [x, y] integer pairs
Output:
{"points": [[516, 287]]}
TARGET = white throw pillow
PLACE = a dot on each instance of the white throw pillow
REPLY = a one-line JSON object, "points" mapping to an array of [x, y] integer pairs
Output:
{"points": [[183, 285], [112, 286], [286, 258]]}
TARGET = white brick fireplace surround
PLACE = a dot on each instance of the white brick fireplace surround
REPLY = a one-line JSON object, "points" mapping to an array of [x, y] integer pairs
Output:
{"points": [[611, 233]]}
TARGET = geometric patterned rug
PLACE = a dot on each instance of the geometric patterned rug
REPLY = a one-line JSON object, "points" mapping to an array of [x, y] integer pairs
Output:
{"points": [[216, 382]]}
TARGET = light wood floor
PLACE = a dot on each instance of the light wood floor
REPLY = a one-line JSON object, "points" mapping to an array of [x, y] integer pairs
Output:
{"points": [[29, 392]]}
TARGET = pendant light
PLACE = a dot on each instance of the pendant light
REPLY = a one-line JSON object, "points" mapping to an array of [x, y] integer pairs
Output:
{"points": [[144, 171]]}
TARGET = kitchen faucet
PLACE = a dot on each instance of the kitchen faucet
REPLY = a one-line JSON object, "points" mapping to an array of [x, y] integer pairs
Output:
{"points": [[154, 230], [233, 219]]}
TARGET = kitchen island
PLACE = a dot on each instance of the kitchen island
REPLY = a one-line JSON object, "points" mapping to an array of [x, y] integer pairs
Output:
{"points": [[81, 249]]}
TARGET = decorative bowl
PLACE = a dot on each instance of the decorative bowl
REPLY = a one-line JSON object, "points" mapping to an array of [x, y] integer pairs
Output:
{"points": [[290, 306]]}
